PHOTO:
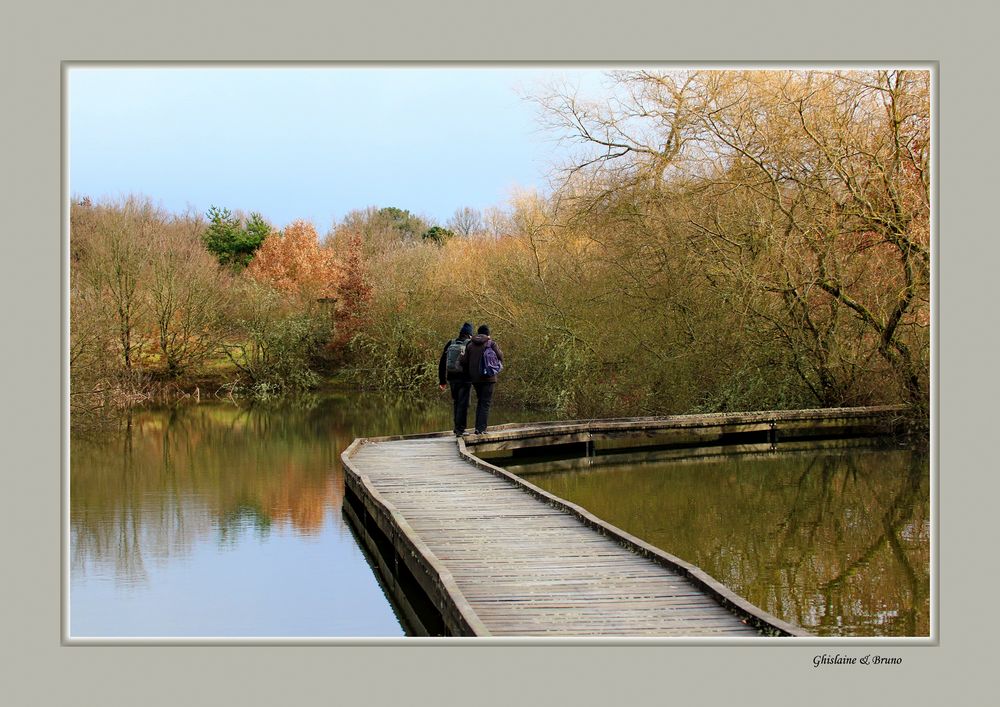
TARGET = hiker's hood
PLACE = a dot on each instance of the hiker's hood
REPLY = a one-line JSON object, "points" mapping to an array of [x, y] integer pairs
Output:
{"points": [[480, 339]]}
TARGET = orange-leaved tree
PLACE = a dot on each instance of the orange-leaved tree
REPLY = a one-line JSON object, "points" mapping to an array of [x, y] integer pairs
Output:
{"points": [[293, 262], [354, 292]]}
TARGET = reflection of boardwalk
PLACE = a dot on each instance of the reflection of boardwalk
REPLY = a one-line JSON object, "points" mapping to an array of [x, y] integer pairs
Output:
{"points": [[495, 556]]}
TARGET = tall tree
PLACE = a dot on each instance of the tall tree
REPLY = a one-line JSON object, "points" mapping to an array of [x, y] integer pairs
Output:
{"points": [[466, 221], [381, 230], [116, 268], [188, 296], [354, 293], [807, 190], [232, 241], [408, 225], [437, 235], [293, 261]]}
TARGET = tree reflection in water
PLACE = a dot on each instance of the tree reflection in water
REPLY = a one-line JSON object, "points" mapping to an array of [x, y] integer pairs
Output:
{"points": [[169, 479], [184, 475], [838, 543]]}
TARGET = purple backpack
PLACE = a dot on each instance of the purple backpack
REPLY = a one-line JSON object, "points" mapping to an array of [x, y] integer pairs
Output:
{"points": [[492, 365]]}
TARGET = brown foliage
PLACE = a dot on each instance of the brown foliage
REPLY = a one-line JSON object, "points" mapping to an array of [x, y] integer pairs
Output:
{"points": [[145, 299], [804, 196], [354, 294], [189, 296], [293, 262]]}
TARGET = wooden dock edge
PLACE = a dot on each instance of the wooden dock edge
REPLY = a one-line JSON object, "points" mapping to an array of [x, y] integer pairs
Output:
{"points": [[705, 429], [430, 574], [522, 430], [713, 418], [402, 606], [752, 615], [687, 455]]}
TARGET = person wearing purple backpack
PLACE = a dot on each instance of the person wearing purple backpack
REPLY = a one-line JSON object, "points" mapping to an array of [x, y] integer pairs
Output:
{"points": [[482, 361]]}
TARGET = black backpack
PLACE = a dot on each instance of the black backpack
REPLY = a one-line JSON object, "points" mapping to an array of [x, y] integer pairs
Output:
{"points": [[454, 354]]}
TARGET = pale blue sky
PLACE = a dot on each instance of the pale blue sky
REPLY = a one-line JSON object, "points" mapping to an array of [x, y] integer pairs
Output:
{"points": [[314, 142]]}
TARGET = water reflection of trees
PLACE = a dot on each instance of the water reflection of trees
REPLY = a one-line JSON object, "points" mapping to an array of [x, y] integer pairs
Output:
{"points": [[837, 543], [176, 477], [169, 479]]}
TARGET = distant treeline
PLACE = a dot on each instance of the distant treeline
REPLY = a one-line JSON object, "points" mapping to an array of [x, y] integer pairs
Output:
{"points": [[723, 241]]}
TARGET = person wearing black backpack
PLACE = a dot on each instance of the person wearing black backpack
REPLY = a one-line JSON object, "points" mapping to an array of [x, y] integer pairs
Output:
{"points": [[482, 362], [450, 369]]}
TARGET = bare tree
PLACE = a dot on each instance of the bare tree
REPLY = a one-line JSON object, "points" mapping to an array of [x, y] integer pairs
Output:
{"points": [[117, 263], [497, 222], [810, 189], [187, 295], [466, 221]]}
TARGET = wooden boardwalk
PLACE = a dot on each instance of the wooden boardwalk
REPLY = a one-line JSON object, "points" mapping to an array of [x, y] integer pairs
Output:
{"points": [[495, 556]]}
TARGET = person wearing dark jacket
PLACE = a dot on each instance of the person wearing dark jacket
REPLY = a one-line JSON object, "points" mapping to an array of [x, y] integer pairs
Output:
{"points": [[472, 364], [458, 381]]}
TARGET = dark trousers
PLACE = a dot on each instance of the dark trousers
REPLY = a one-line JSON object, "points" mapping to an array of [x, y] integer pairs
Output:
{"points": [[484, 398], [460, 396]]}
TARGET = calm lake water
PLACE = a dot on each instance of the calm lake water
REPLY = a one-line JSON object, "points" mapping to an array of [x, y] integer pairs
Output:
{"points": [[838, 543], [218, 520]]}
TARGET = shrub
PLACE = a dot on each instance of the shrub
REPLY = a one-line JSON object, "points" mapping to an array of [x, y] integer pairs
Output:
{"points": [[277, 342]]}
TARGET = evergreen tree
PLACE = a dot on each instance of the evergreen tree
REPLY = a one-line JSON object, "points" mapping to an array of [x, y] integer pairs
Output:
{"points": [[437, 234], [232, 243]]}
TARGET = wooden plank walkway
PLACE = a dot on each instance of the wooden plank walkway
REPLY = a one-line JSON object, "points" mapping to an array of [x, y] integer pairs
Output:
{"points": [[500, 557]]}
